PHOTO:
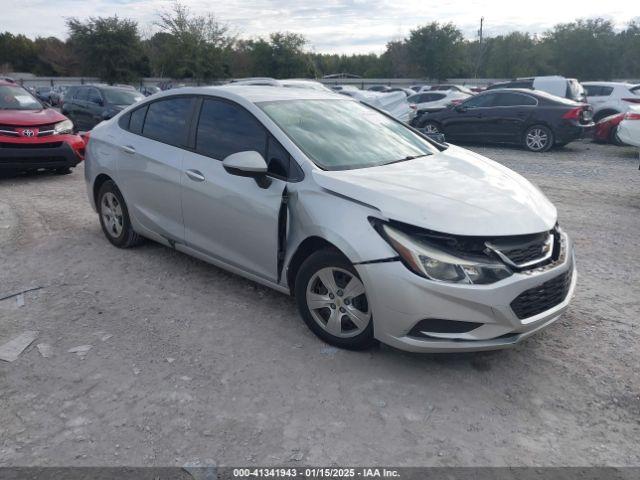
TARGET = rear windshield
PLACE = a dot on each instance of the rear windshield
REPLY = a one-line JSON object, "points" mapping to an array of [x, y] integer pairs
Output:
{"points": [[13, 97], [344, 135], [635, 90], [122, 96]]}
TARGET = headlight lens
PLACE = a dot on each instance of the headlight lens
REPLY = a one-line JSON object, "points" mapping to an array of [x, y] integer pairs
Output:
{"points": [[65, 126], [429, 261]]}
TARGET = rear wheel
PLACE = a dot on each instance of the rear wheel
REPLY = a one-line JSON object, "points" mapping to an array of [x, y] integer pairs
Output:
{"points": [[538, 138], [114, 217], [333, 302]]}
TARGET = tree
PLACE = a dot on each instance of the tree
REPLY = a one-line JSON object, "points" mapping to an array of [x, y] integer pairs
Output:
{"points": [[193, 46], [107, 47], [585, 49], [436, 50], [513, 55]]}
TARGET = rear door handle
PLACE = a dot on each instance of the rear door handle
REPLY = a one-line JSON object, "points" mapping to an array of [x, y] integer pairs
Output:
{"points": [[129, 149], [195, 175]]}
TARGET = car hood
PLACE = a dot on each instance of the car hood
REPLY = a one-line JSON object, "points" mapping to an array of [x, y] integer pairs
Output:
{"points": [[454, 191], [25, 118]]}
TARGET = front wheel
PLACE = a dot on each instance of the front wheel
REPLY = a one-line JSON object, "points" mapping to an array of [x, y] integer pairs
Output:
{"points": [[538, 139], [333, 302], [615, 139], [431, 127]]}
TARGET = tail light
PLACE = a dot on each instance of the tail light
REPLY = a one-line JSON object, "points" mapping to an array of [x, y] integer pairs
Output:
{"points": [[456, 101], [632, 100], [573, 114], [632, 116], [413, 106]]}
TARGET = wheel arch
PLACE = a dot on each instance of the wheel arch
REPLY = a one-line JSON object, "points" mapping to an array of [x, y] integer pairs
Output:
{"points": [[305, 249], [97, 184], [605, 112]]}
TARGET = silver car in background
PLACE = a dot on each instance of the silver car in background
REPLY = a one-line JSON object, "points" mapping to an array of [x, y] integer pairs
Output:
{"points": [[379, 232]]}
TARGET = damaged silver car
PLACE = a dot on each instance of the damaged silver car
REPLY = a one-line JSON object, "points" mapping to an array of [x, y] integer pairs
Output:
{"points": [[378, 231]]}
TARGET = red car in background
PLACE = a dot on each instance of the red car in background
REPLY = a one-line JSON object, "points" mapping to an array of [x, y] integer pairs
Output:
{"points": [[605, 129], [34, 137]]}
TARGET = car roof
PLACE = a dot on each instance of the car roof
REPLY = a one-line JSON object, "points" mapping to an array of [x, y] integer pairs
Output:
{"points": [[609, 84], [258, 93]]}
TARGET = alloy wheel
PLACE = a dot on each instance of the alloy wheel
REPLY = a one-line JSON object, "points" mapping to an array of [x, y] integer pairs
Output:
{"points": [[111, 212], [431, 128], [337, 301], [537, 139]]}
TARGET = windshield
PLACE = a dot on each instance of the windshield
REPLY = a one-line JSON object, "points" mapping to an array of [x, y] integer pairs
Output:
{"points": [[343, 134], [17, 98], [121, 97]]}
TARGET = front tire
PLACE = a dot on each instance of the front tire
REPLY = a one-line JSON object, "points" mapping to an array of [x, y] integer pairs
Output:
{"points": [[114, 217], [538, 138], [431, 127], [332, 301], [614, 139]]}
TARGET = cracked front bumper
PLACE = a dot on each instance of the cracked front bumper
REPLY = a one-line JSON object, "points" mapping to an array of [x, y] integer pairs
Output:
{"points": [[399, 299]]}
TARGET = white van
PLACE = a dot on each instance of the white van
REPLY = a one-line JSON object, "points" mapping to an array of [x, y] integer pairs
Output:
{"points": [[554, 84]]}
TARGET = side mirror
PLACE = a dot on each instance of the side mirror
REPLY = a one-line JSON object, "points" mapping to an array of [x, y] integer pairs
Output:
{"points": [[248, 164], [460, 108]]}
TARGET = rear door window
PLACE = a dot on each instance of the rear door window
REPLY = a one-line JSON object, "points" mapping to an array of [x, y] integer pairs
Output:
{"points": [[225, 128], [513, 100], [480, 101], [167, 120]]}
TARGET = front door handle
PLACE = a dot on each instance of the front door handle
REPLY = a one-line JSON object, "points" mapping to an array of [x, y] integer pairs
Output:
{"points": [[195, 175], [129, 149]]}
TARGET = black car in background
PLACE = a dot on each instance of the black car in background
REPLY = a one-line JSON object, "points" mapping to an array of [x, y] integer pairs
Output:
{"points": [[88, 105], [536, 120]]}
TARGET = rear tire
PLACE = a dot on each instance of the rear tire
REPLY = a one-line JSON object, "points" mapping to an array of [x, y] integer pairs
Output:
{"points": [[114, 217], [332, 301], [538, 138]]}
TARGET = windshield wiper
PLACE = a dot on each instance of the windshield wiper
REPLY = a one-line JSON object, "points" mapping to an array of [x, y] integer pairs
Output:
{"points": [[408, 157]]}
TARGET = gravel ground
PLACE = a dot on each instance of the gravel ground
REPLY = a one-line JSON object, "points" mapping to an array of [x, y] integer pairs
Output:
{"points": [[190, 363]]}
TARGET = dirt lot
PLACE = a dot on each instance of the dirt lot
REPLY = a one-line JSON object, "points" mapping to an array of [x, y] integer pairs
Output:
{"points": [[191, 363]]}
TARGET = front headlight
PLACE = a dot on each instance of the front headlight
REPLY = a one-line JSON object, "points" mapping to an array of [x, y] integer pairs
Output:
{"points": [[65, 126], [429, 261]]}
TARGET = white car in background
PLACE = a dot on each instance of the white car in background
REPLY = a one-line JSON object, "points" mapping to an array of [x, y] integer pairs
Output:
{"points": [[446, 87], [629, 128], [609, 98], [395, 103], [436, 100], [287, 83]]}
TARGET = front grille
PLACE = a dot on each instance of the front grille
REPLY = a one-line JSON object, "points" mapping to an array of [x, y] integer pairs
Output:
{"points": [[525, 254], [12, 130], [522, 252], [543, 297], [30, 145]]}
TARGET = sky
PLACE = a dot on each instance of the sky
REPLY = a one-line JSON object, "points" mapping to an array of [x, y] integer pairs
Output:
{"points": [[330, 26]]}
